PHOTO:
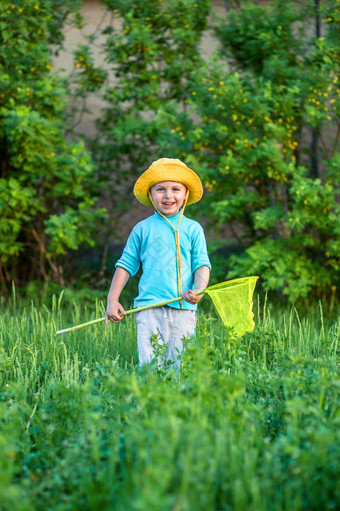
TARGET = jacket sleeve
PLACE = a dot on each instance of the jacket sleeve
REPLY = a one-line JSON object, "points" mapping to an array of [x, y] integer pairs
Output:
{"points": [[199, 252], [130, 258]]}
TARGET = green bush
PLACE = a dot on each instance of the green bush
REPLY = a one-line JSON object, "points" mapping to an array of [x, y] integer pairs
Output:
{"points": [[47, 186], [245, 131], [151, 49], [259, 123]]}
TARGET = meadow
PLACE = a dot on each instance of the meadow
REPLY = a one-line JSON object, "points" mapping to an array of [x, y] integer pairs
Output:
{"points": [[249, 424]]}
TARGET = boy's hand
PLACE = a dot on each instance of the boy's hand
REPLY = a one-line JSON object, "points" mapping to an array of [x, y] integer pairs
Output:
{"points": [[114, 312], [190, 297]]}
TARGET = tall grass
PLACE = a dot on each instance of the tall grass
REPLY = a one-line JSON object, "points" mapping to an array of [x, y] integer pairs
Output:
{"points": [[249, 424]]}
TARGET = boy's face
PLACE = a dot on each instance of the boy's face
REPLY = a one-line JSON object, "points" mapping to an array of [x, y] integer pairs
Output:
{"points": [[168, 197]]}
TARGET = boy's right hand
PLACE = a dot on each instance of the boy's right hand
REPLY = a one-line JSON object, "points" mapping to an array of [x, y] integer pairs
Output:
{"points": [[114, 312]]}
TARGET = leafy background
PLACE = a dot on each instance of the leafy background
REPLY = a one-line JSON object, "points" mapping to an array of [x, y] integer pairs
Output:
{"points": [[258, 121]]}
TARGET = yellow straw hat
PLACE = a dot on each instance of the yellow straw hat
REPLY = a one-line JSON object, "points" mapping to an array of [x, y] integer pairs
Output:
{"points": [[168, 169]]}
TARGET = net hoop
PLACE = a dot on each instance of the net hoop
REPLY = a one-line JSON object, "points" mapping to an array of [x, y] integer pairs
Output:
{"points": [[232, 283]]}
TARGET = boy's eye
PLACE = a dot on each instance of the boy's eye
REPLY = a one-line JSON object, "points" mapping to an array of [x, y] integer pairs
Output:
{"points": [[162, 189]]}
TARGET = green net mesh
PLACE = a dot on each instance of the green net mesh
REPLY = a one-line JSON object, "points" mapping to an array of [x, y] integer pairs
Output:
{"points": [[233, 301]]}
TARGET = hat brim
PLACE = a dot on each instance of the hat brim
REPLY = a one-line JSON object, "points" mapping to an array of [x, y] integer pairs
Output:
{"points": [[168, 172]]}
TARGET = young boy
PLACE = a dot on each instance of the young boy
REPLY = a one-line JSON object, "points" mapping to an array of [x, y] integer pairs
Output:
{"points": [[172, 251]]}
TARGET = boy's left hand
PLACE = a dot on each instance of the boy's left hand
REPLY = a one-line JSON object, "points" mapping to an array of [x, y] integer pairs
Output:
{"points": [[190, 297]]}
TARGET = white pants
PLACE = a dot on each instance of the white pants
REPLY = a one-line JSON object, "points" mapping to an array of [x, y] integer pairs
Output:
{"points": [[164, 326]]}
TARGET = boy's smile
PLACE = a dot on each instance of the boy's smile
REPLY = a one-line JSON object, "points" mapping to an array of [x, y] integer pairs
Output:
{"points": [[168, 197]]}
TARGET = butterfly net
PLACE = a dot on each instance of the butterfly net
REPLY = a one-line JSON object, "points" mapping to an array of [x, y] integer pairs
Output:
{"points": [[233, 301]]}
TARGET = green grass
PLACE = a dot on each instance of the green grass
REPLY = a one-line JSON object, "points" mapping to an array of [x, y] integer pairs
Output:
{"points": [[249, 424]]}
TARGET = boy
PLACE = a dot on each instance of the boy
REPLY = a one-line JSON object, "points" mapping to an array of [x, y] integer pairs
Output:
{"points": [[173, 254]]}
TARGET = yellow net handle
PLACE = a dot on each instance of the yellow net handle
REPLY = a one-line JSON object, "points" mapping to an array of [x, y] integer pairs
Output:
{"points": [[131, 311], [228, 283]]}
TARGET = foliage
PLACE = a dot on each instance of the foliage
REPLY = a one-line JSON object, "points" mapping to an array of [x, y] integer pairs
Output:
{"points": [[247, 133], [45, 206], [151, 48], [248, 424], [259, 123]]}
